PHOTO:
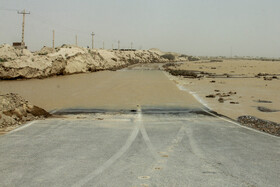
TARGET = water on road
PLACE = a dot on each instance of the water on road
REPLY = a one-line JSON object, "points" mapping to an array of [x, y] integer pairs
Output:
{"points": [[106, 90], [139, 130]]}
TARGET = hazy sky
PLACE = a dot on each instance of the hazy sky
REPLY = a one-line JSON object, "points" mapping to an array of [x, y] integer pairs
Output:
{"points": [[197, 27]]}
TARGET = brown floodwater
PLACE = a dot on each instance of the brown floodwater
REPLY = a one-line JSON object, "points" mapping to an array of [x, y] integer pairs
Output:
{"points": [[106, 90]]}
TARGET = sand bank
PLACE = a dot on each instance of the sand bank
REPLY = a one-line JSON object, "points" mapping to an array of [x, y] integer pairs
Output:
{"points": [[235, 87]]}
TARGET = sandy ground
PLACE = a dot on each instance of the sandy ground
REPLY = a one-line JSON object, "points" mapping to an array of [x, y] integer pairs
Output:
{"points": [[242, 80], [105, 90], [235, 67]]}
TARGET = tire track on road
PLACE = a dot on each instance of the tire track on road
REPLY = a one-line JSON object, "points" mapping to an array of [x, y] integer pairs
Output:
{"points": [[114, 158]]}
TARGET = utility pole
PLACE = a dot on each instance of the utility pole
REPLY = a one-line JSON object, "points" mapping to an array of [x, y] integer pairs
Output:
{"points": [[112, 46], [119, 45], [23, 22], [103, 45], [53, 39], [76, 40], [131, 45], [92, 44]]}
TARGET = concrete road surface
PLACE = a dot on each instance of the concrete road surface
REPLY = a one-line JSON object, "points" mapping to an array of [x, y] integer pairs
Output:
{"points": [[148, 146], [138, 149]]}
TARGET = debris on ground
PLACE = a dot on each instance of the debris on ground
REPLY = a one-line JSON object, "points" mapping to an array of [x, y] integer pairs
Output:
{"points": [[14, 111], [221, 100], [226, 94], [210, 96], [185, 73], [259, 124], [262, 101]]}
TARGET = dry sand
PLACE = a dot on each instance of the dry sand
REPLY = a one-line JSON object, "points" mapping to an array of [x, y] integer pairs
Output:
{"points": [[243, 79]]}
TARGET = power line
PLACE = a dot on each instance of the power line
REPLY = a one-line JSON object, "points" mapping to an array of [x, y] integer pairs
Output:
{"points": [[23, 22], [60, 27]]}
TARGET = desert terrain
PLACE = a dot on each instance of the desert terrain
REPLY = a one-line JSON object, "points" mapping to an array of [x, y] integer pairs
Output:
{"points": [[140, 124], [239, 89], [140, 94], [233, 88]]}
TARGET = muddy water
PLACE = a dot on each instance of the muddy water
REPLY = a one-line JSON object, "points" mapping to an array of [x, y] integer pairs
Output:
{"points": [[114, 90]]}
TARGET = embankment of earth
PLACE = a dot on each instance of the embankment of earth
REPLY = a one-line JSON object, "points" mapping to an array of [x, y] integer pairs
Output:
{"points": [[68, 59]]}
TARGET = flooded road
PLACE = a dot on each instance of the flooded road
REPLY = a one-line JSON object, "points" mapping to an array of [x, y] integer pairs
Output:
{"points": [[105, 90], [163, 138]]}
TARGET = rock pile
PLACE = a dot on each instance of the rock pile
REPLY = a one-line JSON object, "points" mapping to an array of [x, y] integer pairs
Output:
{"points": [[14, 110], [259, 124]]}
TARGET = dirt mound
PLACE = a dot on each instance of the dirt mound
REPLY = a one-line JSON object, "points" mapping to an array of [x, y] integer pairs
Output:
{"points": [[45, 51], [14, 111], [157, 51], [67, 59], [8, 53]]}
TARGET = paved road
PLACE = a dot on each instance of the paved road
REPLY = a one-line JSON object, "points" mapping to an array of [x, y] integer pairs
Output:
{"points": [[148, 147], [138, 149]]}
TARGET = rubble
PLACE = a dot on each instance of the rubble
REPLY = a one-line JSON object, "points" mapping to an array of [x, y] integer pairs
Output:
{"points": [[259, 124], [14, 111]]}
